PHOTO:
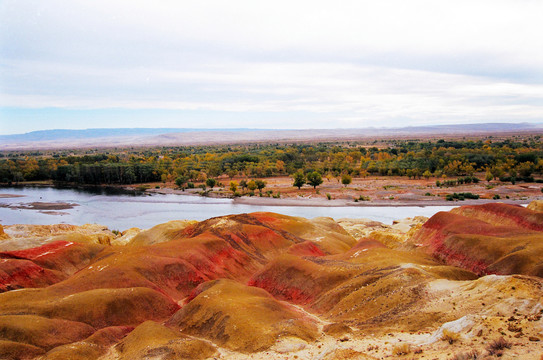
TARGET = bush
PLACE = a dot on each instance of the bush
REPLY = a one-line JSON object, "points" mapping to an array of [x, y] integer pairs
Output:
{"points": [[450, 336], [190, 185], [346, 179], [497, 347], [401, 349], [461, 196], [496, 197], [329, 196], [510, 179], [211, 182]]}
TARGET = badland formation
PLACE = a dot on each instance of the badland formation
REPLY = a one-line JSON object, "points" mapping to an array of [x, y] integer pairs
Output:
{"points": [[463, 284]]}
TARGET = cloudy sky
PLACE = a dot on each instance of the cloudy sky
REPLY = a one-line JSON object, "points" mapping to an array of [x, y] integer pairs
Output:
{"points": [[274, 64]]}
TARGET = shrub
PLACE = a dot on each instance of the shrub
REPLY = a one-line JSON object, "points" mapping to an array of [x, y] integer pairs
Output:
{"points": [[497, 347], [401, 349], [461, 196], [346, 179], [211, 182], [496, 197], [450, 336], [190, 185], [329, 196]]}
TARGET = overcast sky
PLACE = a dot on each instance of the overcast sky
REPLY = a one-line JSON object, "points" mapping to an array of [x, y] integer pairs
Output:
{"points": [[274, 64]]}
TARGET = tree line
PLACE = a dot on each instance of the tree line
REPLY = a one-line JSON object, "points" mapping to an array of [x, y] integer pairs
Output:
{"points": [[509, 159]]}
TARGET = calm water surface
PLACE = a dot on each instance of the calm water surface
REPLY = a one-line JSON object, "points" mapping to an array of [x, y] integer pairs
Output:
{"points": [[123, 211]]}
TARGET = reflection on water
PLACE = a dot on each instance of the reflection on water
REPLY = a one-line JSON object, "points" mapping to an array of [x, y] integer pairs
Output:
{"points": [[125, 210], [89, 190]]}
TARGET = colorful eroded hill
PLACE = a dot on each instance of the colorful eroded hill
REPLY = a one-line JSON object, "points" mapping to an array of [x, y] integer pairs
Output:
{"points": [[263, 285]]}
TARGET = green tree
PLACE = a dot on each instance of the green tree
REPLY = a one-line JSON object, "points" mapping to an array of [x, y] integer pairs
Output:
{"points": [[427, 174], [488, 176], [299, 179], [251, 185], [181, 180], [233, 186], [243, 184], [346, 179], [232, 173], [211, 182], [314, 179], [260, 184], [525, 169]]}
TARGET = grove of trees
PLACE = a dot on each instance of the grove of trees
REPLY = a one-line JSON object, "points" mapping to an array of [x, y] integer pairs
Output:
{"points": [[514, 158]]}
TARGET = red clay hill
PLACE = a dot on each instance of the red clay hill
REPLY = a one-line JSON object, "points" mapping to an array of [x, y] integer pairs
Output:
{"points": [[265, 285]]}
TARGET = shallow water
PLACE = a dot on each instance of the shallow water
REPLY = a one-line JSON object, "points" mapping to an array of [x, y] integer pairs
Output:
{"points": [[123, 211]]}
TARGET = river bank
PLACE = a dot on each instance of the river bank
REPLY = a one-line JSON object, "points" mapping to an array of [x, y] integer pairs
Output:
{"points": [[362, 192]]}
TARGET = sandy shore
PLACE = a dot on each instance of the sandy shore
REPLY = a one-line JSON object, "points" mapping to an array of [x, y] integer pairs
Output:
{"points": [[338, 203], [323, 202]]}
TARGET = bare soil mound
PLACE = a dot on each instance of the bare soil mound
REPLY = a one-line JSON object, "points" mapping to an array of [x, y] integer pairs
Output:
{"points": [[463, 284]]}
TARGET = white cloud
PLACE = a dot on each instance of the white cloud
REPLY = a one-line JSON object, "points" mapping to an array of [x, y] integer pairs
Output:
{"points": [[355, 61]]}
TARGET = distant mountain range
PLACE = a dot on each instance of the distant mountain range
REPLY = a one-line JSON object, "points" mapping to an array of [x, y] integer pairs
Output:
{"points": [[66, 134], [117, 137]]}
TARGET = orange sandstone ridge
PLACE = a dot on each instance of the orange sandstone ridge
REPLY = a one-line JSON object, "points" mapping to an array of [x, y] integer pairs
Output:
{"points": [[464, 284]]}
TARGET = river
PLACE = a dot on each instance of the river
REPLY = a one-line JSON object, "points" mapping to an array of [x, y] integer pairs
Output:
{"points": [[123, 211]]}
